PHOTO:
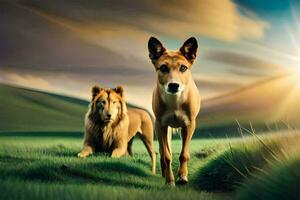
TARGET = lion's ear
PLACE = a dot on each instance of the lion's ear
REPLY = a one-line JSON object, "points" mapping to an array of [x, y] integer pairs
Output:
{"points": [[119, 90], [95, 91]]}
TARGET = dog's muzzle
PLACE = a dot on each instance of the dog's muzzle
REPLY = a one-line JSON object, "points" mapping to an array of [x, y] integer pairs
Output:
{"points": [[173, 88]]}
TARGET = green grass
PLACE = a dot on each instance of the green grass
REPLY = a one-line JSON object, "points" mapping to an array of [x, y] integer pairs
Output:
{"points": [[228, 169], [280, 182], [34, 167], [261, 167], [25, 190]]}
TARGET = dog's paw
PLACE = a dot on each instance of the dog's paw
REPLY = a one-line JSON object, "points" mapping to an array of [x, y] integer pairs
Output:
{"points": [[153, 172], [170, 184], [182, 180]]}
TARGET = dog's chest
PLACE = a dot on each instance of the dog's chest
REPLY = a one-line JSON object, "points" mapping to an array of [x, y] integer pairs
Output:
{"points": [[172, 101], [175, 118]]}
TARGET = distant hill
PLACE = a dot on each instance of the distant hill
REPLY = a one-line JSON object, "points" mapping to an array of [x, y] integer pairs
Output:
{"points": [[275, 101], [29, 110]]}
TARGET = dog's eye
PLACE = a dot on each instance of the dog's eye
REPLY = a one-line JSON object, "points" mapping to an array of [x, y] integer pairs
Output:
{"points": [[114, 102], [164, 68], [183, 68]]}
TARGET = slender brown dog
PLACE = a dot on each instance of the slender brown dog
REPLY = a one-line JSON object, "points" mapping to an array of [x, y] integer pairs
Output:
{"points": [[175, 102]]}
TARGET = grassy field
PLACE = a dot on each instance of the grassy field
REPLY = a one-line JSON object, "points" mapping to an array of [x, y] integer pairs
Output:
{"points": [[34, 167]]}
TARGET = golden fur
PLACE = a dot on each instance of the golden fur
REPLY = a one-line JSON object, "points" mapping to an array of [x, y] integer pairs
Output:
{"points": [[175, 102], [110, 127]]}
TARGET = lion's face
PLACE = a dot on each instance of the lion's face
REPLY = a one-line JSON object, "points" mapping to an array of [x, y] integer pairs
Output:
{"points": [[107, 103]]}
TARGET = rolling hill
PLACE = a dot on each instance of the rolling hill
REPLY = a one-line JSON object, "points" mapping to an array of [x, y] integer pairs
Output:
{"points": [[271, 101], [29, 110]]}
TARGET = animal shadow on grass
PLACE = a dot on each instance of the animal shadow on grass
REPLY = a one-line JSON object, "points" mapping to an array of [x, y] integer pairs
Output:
{"points": [[108, 173], [60, 151], [120, 170], [72, 153], [13, 159]]}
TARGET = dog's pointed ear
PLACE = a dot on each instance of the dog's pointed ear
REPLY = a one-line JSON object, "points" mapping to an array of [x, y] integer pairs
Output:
{"points": [[119, 90], [189, 49], [156, 49], [95, 91]]}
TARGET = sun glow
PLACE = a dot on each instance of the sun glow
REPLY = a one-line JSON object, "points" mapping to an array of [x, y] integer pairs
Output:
{"points": [[295, 37], [287, 110]]}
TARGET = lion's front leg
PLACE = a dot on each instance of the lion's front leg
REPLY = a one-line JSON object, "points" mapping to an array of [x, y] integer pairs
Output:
{"points": [[86, 151], [120, 149]]}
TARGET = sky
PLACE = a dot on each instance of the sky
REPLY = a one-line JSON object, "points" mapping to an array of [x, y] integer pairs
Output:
{"points": [[68, 46]]}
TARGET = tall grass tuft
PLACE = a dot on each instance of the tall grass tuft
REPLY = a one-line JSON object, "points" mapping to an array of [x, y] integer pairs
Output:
{"points": [[243, 161], [280, 182]]}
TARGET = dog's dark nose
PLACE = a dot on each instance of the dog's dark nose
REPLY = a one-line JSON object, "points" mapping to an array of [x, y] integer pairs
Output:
{"points": [[173, 87], [108, 115]]}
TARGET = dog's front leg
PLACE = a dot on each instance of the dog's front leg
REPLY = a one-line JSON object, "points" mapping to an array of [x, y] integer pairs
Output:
{"points": [[186, 135], [159, 131], [120, 149], [165, 153]]}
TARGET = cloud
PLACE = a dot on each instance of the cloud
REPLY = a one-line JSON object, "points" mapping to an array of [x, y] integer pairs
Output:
{"points": [[232, 58], [42, 46], [251, 73], [219, 19], [242, 64], [50, 36], [33, 39], [216, 84], [28, 80]]}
